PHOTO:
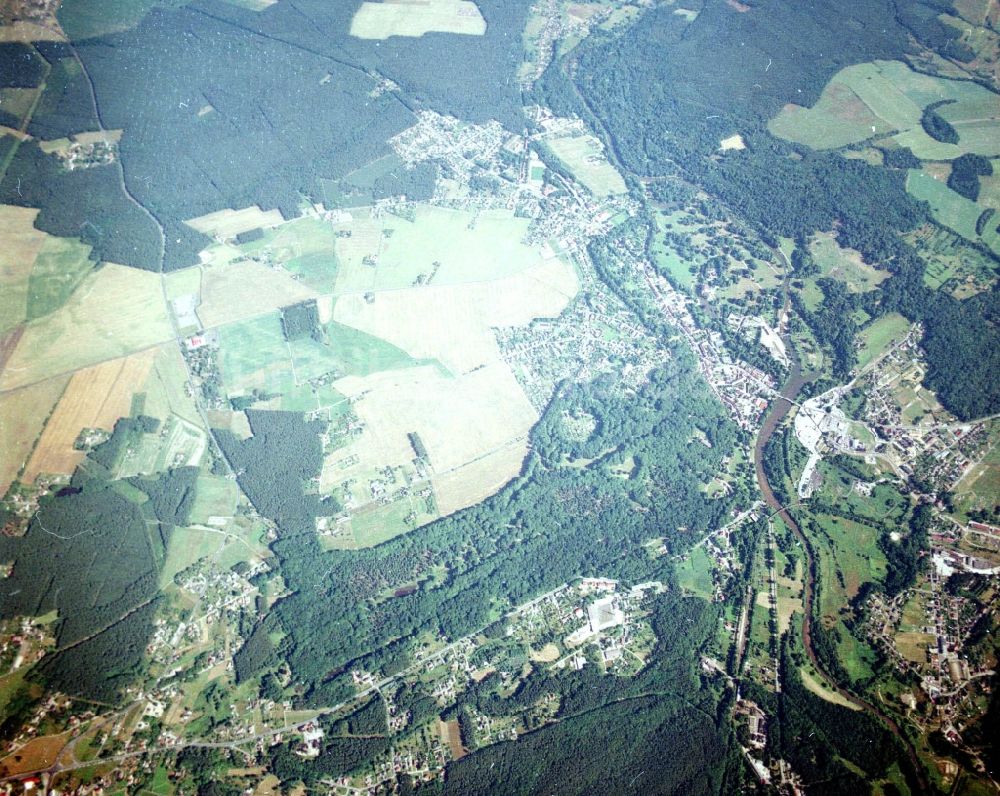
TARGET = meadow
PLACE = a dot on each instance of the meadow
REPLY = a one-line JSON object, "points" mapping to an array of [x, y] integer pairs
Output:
{"points": [[409, 18], [584, 156]]}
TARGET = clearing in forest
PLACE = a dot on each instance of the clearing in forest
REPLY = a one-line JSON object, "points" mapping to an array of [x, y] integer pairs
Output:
{"points": [[417, 17]]}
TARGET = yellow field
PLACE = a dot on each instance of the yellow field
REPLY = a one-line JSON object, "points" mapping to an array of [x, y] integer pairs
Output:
{"points": [[95, 398], [481, 478], [21, 244], [417, 17], [733, 142], [116, 311], [22, 416], [227, 223], [237, 291], [584, 155]]}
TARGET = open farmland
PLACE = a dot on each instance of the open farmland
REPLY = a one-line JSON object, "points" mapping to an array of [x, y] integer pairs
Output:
{"points": [[440, 246], [61, 264], [950, 209], [22, 415], [305, 247], [229, 223], [95, 398], [887, 97], [116, 311], [417, 17], [236, 291], [22, 242], [584, 155]]}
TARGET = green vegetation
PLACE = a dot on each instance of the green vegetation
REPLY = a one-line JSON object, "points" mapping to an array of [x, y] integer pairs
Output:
{"points": [[876, 337]]}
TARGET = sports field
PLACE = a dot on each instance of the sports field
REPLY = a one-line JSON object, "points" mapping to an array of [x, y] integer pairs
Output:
{"points": [[114, 312], [416, 17], [584, 156]]}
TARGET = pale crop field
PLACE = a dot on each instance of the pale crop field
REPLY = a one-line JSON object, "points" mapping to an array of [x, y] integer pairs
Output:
{"points": [[22, 242], [237, 291], [114, 312], [417, 17], [227, 223]]}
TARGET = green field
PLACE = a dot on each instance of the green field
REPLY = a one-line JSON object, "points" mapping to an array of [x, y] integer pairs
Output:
{"points": [[950, 209], [253, 354], [695, 573], [188, 545], [455, 246], [879, 335], [844, 265], [585, 157], [884, 97], [59, 268], [182, 282], [305, 247], [18, 101], [215, 496]]}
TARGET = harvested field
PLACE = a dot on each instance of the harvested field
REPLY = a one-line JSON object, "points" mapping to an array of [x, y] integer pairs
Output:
{"points": [[237, 291], [417, 17], [95, 398], [229, 223], [22, 417], [116, 311], [452, 736], [479, 479]]}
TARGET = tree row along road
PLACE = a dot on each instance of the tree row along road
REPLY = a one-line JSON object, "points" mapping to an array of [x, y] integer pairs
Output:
{"points": [[780, 407]]}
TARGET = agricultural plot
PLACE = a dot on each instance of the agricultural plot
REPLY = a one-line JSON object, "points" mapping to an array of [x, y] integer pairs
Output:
{"points": [[61, 264], [183, 282], [950, 209], [164, 391], [236, 291], [416, 17], [439, 246], [305, 247], [22, 243], [584, 155], [95, 398], [116, 311], [224, 224], [949, 263], [887, 97], [979, 488], [255, 355], [215, 496], [22, 416], [178, 444]]}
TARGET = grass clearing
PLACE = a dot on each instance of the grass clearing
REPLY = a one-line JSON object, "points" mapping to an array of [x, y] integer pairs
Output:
{"points": [[876, 338], [694, 574], [845, 265], [116, 311], [215, 496], [815, 686], [584, 155], [417, 17], [22, 416]]}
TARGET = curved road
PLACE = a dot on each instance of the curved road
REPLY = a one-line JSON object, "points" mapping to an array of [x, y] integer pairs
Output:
{"points": [[777, 412]]}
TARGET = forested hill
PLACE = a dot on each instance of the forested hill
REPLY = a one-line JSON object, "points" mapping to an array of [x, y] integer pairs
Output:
{"points": [[666, 91], [249, 107]]}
